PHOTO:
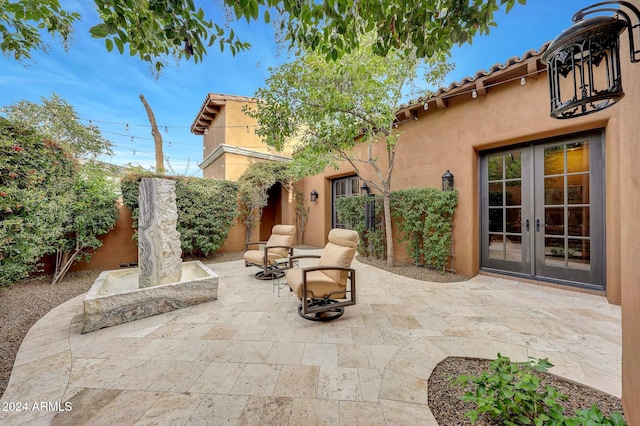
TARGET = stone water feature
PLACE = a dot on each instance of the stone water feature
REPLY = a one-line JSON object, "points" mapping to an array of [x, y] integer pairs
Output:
{"points": [[162, 282]]}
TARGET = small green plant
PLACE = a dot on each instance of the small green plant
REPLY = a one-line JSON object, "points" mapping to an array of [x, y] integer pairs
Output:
{"points": [[594, 417], [510, 392]]}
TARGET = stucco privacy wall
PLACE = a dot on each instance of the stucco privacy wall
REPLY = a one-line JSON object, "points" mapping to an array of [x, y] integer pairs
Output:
{"points": [[628, 178]]}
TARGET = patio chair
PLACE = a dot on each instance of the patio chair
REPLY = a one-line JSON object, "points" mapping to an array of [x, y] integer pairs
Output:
{"points": [[270, 256], [325, 290]]}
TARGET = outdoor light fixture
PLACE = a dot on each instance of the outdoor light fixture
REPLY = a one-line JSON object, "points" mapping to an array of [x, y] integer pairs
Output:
{"points": [[447, 181], [364, 188], [314, 195], [583, 62]]}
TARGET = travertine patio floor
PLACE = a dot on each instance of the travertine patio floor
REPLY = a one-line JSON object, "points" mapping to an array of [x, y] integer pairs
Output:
{"points": [[248, 358]]}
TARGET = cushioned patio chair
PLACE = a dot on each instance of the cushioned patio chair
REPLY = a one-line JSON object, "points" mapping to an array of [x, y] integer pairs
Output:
{"points": [[326, 289], [278, 247]]}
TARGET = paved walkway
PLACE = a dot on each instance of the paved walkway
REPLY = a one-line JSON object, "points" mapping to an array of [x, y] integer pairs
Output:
{"points": [[248, 358]]}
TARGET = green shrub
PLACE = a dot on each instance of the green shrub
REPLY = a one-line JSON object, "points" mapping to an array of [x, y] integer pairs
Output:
{"points": [[207, 209], [350, 211], [425, 219], [35, 178], [511, 393]]}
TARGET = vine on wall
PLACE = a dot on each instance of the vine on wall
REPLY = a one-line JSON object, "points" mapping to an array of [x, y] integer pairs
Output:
{"points": [[424, 217]]}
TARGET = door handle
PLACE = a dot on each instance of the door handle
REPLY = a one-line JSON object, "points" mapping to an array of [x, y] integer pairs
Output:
{"points": [[526, 225], [537, 225]]}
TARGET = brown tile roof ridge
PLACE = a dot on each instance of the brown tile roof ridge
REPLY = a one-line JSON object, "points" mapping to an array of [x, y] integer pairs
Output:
{"points": [[225, 97], [514, 60]]}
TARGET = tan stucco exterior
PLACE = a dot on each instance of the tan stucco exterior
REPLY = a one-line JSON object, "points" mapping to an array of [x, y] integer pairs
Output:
{"points": [[627, 172], [230, 143], [454, 131]]}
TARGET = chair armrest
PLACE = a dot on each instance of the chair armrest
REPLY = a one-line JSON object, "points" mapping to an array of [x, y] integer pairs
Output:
{"points": [[326, 268], [287, 247], [302, 256], [246, 245]]}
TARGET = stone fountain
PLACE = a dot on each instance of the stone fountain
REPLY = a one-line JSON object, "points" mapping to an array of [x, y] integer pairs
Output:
{"points": [[162, 282]]}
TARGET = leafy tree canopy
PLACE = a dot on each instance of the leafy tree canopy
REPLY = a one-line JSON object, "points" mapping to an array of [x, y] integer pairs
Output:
{"points": [[156, 29], [342, 110], [55, 119]]}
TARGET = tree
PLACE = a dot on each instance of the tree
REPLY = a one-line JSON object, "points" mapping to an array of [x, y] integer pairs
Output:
{"points": [[157, 136], [158, 29], [332, 110], [91, 211], [55, 119]]}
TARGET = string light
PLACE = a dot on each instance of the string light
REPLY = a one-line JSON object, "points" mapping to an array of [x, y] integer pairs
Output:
{"points": [[131, 139], [523, 81], [474, 94], [166, 129], [426, 106], [126, 127], [206, 131]]}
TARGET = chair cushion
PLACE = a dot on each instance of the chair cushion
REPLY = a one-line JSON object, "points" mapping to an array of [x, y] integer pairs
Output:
{"points": [[281, 235], [257, 257], [318, 284], [339, 251]]}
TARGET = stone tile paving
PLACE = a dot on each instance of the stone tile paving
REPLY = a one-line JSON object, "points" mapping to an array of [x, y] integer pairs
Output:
{"points": [[248, 358]]}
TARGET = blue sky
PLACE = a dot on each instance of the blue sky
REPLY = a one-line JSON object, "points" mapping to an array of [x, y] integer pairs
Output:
{"points": [[105, 87]]}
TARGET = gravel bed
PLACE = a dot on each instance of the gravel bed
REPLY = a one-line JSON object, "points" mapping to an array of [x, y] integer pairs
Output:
{"points": [[448, 409]]}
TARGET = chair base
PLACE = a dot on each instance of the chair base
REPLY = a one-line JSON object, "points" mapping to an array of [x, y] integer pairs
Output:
{"points": [[269, 275], [326, 314]]}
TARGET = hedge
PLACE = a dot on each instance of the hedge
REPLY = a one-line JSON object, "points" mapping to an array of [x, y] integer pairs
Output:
{"points": [[207, 209]]}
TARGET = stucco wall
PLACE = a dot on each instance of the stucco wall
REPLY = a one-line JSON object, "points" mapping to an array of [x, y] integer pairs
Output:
{"points": [[240, 128], [629, 252], [452, 139]]}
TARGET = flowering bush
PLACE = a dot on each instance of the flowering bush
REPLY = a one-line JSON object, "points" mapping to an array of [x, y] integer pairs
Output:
{"points": [[48, 204], [34, 181]]}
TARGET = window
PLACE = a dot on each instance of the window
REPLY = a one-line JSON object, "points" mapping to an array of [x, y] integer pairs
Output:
{"points": [[343, 187]]}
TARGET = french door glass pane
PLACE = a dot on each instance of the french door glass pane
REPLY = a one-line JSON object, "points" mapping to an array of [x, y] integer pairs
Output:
{"points": [[579, 221], [513, 248], [578, 157], [554, 190], [496, 246], [495, 167], [554, 253], [513, 194], [579, 254]]}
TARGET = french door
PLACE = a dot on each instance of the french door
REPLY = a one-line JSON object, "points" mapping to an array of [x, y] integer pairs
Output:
{"points": [[543, 210]]}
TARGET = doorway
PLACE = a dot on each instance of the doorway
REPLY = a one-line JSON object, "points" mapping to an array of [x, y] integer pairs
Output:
{"points": [[542, 210]]}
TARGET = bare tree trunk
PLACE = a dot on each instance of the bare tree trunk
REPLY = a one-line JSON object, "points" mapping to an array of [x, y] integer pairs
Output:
{"points": [[64, 260], [387, 225], [157, 136]]}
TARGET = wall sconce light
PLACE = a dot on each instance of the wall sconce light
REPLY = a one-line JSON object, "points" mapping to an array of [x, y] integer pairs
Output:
{"points": [[583, 62], [364, 188], [447, 181], [314, 195]]}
